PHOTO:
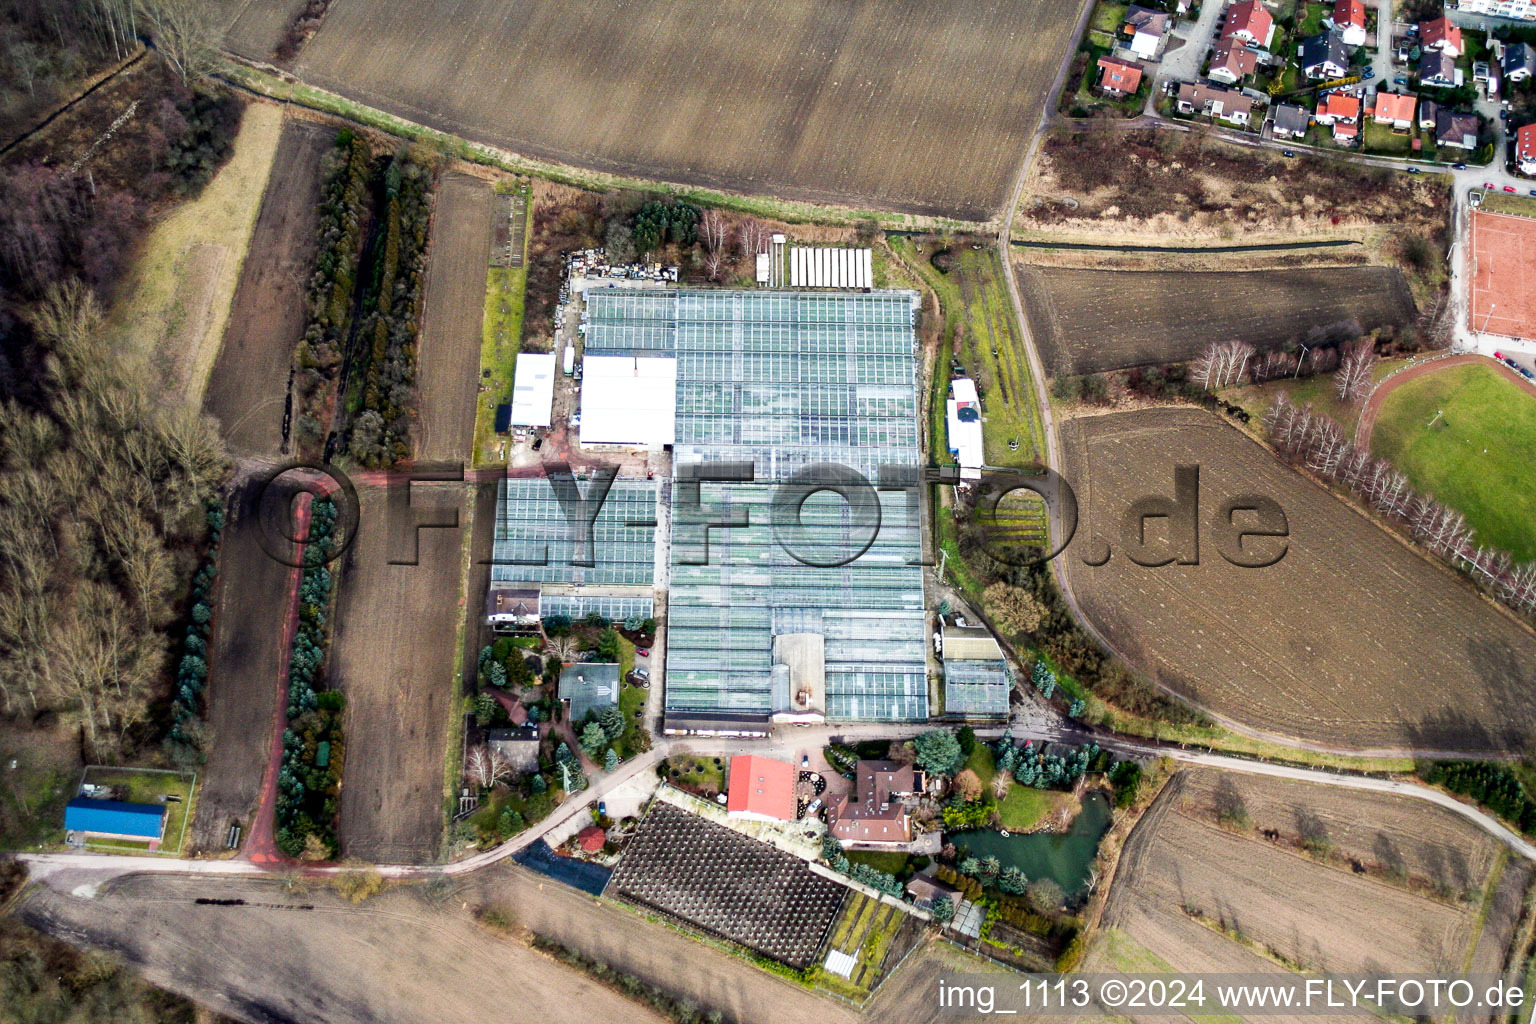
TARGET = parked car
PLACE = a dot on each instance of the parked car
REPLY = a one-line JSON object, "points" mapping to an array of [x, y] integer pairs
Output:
{"points": [[1510, 189], [1458, 167], [602, 809], [643, 673], [1533, 191], [813, 807], [1290, 152], [1400, 80], [643, 652], [1490, 186], [1414, 170], [1368, 74]]}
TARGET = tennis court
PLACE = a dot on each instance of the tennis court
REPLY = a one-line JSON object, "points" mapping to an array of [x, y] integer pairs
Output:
{"points": [[1503, 275]]}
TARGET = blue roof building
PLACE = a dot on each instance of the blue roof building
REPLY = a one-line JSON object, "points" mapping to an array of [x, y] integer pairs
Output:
{"points": [[115, 818]]}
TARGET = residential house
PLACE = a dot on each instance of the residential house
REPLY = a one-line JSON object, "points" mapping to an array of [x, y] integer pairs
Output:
{"points": [[1231, 62], [1428, 111], [1438, 69], [1395, 110], [1324, 56], [1342, 111], [588, 686], [1440, 35], [1524, 10], [1519, 62], [1146, 29], [1119, 77], [1349, 19], [1525, 149], [1229, 105], [761, 789], [1249, 22], [874, 811], [1456, 128], [1289, 121], [519, 747]]}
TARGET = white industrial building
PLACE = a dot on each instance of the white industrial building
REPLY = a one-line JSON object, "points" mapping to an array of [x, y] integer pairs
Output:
{"points": [[628, 400], [533, 389], [965, 437], [830, 268]]}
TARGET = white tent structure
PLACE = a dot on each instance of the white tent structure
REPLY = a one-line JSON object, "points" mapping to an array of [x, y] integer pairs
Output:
{"points": [[533, 389], [965, 437], [629, 400]]}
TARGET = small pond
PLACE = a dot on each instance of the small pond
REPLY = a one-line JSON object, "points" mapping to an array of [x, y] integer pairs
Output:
{"points": [[1066, 856]]}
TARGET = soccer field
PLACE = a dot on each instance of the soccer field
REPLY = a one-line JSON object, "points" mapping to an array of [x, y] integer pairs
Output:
{"points": [[1479, 454]]}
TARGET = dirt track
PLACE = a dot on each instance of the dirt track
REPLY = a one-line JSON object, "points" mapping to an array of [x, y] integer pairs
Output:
{"points": [[449, 360], [1378, 397], [249, 383]]}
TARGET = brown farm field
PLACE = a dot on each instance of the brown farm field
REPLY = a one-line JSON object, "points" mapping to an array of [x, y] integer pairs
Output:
{"points": [[249, 385], [1197, 892], [250, 614], [1352, 640], [891, 104], [449, 360], [1092, 321], [396, 631], [253, 28]]}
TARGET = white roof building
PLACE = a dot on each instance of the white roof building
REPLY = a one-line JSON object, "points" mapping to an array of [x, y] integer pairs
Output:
{"points": [[830, 268], [533, 389], [629, 400], [965, 437]]}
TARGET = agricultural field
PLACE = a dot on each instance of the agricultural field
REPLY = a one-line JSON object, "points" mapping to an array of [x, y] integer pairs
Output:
{"points": [[251, 608], [875, 934], [1466, 435], [1214, 878], [254, 28], [449, 360], [1092, 321], [396, 632], [249, 384], [1352, 639], [176, 301], [803, 100]]}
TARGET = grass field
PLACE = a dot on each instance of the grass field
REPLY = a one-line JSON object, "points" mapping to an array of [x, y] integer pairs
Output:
{"points": [[1467, 436], [1024, 806], [501, 331], [814, 98], [1350, 640], [1498, 202], [1317, 393], [149, 786], [176, 302]]}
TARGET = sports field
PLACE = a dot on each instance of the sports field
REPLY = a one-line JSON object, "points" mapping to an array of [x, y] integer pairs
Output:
{"points": [[1503, 275], [1467, 435]]}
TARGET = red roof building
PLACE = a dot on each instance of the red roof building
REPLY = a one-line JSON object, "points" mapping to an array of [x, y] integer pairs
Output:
{"points": [[1441, 35], [591, 839], [761, 789], [875, 812], [1394, 109], [1349, 19], [1231, 61], [1119, 76], [1249, 22]]}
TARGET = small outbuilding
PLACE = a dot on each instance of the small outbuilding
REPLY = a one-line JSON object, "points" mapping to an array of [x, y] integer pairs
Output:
{"points": [[86, 819]]}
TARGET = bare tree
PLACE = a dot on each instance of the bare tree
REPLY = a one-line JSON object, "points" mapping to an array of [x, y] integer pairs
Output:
{"points": [[486, 767], [564, 648], [752, 236], [714, 232], [1222, 364], [183, 36], [1356, 367]]}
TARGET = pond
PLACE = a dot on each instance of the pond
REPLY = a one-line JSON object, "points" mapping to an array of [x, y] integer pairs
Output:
{"points": [[1066, 856]]}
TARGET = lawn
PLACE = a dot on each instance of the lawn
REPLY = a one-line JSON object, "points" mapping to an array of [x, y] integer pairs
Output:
{"points": [[892, 862], [631, 700], [1312, 24], [1316, 393], [1024, 806], [150, 786], [501, 334], [1380, 138], [1108, 17], [1520, 206], [1467, 436], [698, 774]]}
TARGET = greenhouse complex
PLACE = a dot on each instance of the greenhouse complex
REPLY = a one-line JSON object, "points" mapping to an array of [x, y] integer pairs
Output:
{"points": [[783, 603]]}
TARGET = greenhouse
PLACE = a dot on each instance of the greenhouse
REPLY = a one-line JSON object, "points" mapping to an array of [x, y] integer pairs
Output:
{"points": [[536, 541]]}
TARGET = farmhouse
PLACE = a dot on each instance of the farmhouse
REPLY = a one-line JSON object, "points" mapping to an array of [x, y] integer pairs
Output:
{"points": [[533, 390], [1525, 149], [1395, 110], [86, 819], [1440, 35], [1456, 129], [728, 884], [1119, 77], [1145, 29], [588, 686], [976, 677], [761, 789], [1323, 56], [1519, 62], [1249, 22], [1349, 19], [965, 431], [874, 812], [1438, 69], [1289, 121], [1231, 61], [1213, 101]]}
